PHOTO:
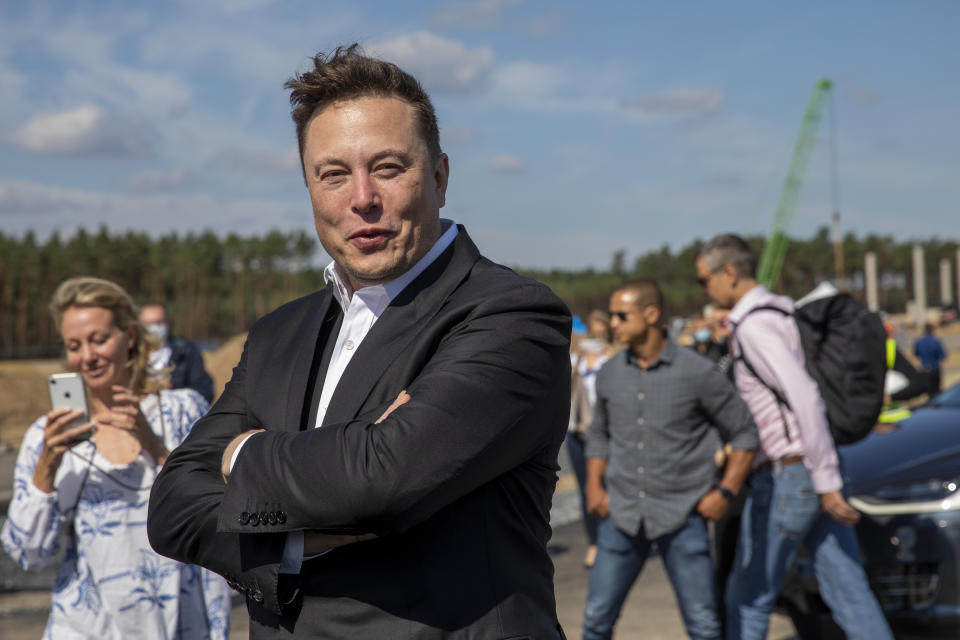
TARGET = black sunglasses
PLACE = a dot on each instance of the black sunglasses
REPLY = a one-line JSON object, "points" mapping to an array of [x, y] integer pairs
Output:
{"points": [[620, 315], [703, 280]]}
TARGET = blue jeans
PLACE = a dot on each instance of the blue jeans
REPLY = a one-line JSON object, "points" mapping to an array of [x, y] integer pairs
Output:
{"points": [[578, 458], [620, 557], [783, 513]]}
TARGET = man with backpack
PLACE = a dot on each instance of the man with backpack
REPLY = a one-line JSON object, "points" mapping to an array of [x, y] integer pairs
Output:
{"points": [[796, 496]]}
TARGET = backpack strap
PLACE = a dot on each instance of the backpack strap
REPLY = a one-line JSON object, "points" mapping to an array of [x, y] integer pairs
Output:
{"points": [[781, 401]]}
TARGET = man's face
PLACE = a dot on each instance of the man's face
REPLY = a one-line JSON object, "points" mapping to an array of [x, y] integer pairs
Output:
{"points": [[629, 323], [716, 284], [375, 191]]}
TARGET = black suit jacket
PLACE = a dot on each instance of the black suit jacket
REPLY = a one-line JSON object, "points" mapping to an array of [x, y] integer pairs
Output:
{"points": [[188, 370], [457, 483]]}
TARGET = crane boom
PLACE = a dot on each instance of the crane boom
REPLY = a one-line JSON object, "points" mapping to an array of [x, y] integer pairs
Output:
{"points": [[771, 261]]}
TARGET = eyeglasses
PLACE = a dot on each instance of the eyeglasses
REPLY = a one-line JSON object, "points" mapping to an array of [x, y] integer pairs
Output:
{"points": [[703, 280], [619, 315]]}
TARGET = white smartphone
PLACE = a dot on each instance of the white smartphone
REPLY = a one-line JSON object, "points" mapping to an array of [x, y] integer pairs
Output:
{"points": [[67, 392]]}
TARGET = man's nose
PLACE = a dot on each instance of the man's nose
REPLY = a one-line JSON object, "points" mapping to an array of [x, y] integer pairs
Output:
{"points": [[365, 195]]}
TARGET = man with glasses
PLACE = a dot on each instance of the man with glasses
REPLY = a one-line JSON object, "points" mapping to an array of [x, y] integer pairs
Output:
{"points": [[650, 464], [795, 487]]}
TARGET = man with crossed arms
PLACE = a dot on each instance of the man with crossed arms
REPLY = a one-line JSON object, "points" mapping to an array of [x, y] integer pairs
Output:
{"points": [[389, 444]]}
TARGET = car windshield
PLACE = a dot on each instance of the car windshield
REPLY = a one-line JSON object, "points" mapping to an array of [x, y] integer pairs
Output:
{"points": [[949, 398]]}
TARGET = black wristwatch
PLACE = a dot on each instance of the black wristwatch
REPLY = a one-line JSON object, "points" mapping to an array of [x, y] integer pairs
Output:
{"points": [[730, 496]]}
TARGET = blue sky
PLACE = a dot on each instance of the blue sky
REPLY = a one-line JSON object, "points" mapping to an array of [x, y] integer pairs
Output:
{"points": [[573, 129]]}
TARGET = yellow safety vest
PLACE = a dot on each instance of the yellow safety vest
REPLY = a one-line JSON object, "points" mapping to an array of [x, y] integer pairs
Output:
{"points": [[892, 412]]}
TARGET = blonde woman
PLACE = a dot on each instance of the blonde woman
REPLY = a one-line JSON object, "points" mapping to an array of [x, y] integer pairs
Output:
{"points": [[590, 353], [92, 494]]}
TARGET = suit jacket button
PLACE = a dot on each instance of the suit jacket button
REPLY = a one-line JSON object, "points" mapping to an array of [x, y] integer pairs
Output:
{"points": [[281, 517], [257, 597], [254, 520], [243, 518], [263, 517], [272, 517]]}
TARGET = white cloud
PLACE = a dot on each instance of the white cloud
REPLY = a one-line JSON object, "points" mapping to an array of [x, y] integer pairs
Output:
{"points": [[474, 15], [258, 161], [537, 86], [83, 130], [524, 82], [506, 163], [23, 203], [231, 7], [160, 181], [435, 61], [674, 104], [457, 135]]}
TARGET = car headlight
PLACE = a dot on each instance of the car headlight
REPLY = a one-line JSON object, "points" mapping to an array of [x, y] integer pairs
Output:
{"points": [[932, 489], [923, 496]]}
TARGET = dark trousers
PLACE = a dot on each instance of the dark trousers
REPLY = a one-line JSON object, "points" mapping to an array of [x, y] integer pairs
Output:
{"points": [[576, 451]]}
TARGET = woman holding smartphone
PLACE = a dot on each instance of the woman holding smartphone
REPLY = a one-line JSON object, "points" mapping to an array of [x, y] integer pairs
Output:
{"points": [[90, 482]]}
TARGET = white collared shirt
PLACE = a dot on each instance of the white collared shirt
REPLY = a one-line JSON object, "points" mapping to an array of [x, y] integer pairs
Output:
{"points": [[361, 309]]}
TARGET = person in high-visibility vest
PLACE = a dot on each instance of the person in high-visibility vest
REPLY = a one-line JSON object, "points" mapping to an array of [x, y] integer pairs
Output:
{"points": [[903, 382]]}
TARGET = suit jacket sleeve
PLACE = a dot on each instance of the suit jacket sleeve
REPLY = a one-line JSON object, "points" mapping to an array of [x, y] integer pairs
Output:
{"points": [[494, 392], [182, 517]]}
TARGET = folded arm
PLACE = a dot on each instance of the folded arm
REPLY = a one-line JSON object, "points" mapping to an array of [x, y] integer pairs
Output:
{"points": [[484, 403]]}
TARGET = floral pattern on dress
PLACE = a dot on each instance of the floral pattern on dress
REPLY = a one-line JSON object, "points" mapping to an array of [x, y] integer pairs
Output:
{"points": [[110, 583]]}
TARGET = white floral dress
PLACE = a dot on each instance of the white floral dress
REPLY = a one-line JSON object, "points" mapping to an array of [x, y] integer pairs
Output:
{"points": [[111, 584]]}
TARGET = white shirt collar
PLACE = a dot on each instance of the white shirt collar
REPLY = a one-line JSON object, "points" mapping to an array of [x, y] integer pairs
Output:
{"points": [[343, 292]]}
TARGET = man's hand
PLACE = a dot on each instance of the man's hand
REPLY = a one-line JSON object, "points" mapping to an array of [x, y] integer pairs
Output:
{"points": [[598, 500], [316, 543], [228, 452], [402, 398], [838, 508], [713, 505]]}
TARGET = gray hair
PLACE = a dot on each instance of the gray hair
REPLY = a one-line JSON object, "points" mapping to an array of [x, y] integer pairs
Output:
{"points": [[728, 248]]}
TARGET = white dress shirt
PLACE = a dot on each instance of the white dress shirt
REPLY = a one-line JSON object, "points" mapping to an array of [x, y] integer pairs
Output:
{"points": [[361, 309]]}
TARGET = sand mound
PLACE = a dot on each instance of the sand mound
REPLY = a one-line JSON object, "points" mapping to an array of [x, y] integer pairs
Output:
{"points": [[23, 386], [220, 363]]}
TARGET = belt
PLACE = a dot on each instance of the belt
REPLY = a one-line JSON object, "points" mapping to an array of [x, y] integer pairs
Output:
{"points": [[783, 462]]}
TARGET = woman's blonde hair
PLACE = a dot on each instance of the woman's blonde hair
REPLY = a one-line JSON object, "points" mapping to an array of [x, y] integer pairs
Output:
{"points": [[85, 291]]}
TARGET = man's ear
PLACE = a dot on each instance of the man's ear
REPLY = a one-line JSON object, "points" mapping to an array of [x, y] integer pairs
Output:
{"points": [[441, 175], [731, 271], [653, 314]]}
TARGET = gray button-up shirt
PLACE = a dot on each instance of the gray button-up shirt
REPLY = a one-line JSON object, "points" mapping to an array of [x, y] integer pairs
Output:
{"points": [[655, 428]]}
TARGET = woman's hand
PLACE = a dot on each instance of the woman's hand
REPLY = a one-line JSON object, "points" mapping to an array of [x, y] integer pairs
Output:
{"points": [[125, 414], [60, 434]]}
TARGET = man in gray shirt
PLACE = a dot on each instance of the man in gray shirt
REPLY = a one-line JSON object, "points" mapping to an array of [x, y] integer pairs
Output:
{"points": [[650, 464]]}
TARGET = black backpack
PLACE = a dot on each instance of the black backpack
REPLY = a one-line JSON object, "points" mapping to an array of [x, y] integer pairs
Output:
{"points": [[844, 348]]}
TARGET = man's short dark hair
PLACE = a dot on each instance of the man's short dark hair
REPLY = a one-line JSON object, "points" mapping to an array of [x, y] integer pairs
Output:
{"points": [[728, 248], [647, 293], [347, 74]]}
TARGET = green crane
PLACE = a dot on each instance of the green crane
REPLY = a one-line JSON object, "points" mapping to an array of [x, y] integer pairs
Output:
{"points": [[771, 261]]}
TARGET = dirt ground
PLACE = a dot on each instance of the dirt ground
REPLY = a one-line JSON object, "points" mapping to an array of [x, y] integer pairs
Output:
{"points": [[23, 388]]}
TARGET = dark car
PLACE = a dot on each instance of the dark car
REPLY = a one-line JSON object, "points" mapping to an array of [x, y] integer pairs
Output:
{"points": [[906, 485]]}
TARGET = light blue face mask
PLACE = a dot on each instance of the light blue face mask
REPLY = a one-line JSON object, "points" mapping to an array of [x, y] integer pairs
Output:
{"points": [[702, 335], [158, 330]]}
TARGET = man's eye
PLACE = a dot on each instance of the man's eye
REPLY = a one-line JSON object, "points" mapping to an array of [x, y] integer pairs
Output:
{"points": [[332, 175], [388, 170]]}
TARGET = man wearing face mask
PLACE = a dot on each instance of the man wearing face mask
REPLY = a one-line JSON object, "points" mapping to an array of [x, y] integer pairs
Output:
{"points": [[708, 340], [184, 356]]}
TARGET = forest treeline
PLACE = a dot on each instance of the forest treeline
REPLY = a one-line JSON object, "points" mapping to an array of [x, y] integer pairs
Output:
{"points": [[216, 286]]}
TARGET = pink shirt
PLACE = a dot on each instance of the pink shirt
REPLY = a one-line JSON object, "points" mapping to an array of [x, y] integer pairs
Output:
{"points": [[771, 342]]}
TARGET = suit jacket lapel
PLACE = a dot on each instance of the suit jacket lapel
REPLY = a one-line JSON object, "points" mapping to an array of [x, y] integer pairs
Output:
{"points": [[407, 314], [301, 359]]}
